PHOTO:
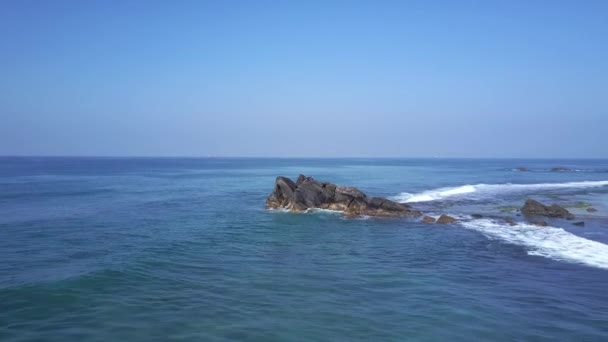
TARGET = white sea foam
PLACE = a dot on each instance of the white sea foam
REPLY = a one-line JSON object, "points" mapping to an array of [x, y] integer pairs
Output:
{"points": [[490, 189], [549, 242], [278, 210], [323, 211], [310, 210], [568, 170]]}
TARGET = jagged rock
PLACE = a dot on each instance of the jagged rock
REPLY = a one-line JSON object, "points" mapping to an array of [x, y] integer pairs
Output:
{"points": [[445, 219], [308, 193], [591, 210], [539, 223], [300, 180], [283, 192], [428, 219], [579, 224], [510, 221], [535, 208]]}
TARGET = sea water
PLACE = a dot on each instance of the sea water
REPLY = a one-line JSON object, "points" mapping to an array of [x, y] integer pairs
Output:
{"points": [[145, 249]]}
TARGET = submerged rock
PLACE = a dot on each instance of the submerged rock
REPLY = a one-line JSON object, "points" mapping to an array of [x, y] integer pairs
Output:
{"points": [[535, 208], [510, 221], [539, 223], [522, 169], [578, 205], [508, 209], [560, 169], [477, 216], [579, 224], [308, 193], [591, 210], [428, 219], [445, 219]]}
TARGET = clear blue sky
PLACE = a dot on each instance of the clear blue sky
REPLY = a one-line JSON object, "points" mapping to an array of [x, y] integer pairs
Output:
{"points": [[304, 78]]}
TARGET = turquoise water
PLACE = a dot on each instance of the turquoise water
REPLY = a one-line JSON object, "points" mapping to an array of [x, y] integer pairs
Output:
{"points": [[137, 249]]}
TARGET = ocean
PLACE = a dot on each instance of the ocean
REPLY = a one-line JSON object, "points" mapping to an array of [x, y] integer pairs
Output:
{"points": [[157, 249]]}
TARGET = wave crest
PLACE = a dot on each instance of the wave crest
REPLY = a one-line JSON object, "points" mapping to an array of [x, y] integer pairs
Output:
{"points": [[550, 242], [488, 189]]}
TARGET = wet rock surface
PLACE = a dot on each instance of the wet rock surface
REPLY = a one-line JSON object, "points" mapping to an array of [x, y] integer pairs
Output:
{"points": [[308, 193], [534, 208], [428, 219], [445, 219], [539, 223]]}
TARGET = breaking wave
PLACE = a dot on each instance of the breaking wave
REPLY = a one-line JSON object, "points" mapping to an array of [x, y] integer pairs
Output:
{"points": [[489, 189], [549, 242]]}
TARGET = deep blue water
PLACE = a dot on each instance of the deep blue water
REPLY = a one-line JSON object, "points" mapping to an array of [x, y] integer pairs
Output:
{"points": [[144, 249]]}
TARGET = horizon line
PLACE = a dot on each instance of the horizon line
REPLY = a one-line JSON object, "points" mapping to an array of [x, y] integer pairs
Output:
{"points": [[286, 157]]}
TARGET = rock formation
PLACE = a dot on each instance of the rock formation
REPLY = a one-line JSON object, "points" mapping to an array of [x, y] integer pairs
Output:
{"points": [[445, 219], [308, 193], [535, 208], [428, 219]]}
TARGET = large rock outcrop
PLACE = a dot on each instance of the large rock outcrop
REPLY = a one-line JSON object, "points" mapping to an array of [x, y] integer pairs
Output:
{"points": [[308, 193], [535, 208]]}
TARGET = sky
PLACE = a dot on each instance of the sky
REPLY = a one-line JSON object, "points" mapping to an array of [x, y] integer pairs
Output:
{"points": [[308, 78]]}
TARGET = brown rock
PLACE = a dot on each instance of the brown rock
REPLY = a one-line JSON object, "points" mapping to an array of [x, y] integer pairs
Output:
{"points": [[445, 219], [535, 208], [510, 221], [428, 219]]}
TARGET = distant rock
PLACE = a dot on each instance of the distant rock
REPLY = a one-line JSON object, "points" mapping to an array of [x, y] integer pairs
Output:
{"points": [[591, 210], [522, 169], [308, 193], [477, 216], [560, 169], [579, 224], [445, 219], [535, 208], [539, 223], [428, 219]]}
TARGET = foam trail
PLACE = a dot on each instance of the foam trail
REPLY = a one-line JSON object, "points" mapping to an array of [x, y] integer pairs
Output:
{"points": [[278, 210], [309, 210], [323, 211], [549, 242], [483, 190]]}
